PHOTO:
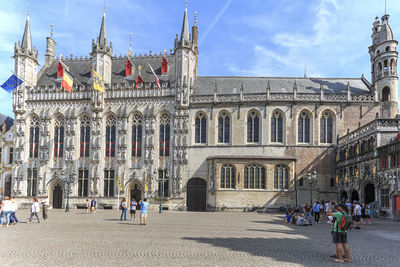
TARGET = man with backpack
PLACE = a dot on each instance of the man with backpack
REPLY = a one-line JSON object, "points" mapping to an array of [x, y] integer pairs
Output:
{"points": [[343, 220]]}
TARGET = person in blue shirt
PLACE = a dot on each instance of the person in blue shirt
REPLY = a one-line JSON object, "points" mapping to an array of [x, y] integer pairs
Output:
{"points": [[144, 205], [316, 210]]}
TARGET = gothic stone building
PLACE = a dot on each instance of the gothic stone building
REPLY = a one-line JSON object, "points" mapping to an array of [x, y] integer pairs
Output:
{"points": [[199, 141]]}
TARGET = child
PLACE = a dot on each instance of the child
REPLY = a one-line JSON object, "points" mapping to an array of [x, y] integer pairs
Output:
{"points": [[287, 218]]}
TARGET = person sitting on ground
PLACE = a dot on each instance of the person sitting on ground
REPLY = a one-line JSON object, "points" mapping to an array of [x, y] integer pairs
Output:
{"points": [[301, 221], [293, 218], [287, 218]]}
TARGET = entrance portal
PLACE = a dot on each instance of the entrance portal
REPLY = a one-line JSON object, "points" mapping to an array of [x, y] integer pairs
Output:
{"points": [[369, 190], [136, 192], [343, 196], [7, 186], [57, 197], [354, 196], [196, 195]]}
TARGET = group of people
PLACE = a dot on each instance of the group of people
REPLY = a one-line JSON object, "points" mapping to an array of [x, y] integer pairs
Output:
{"points": [[9, 207], [91, 206], [133, 205]]}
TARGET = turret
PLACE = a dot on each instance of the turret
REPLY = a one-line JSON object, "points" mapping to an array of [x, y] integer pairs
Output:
{"points": [[50, 55], [384, 66]]}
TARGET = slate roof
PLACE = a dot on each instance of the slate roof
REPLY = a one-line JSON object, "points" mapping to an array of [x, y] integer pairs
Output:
{"points": [[80, 70], [232, 85], [9, 121]]}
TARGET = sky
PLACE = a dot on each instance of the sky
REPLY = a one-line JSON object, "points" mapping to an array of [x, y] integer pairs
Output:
{"points": [[236, 37]]}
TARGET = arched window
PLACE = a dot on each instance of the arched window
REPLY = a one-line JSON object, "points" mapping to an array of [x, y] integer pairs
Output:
{"points": [[59, 137], [277, 127], [227, 177], [85, 137], [387, 48], [304, 128], [110, 136], [34, 138], [224, 128], [109, 176], [326, 128], [200, 129], [281, 177], [254, 177], [380, 67], [83, 182], [386, 94], [253, 128], [165, 123], [32, 182], [137, 126]]}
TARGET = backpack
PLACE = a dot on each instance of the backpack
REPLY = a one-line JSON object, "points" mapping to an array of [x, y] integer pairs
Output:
{"points": [[346, 221]]}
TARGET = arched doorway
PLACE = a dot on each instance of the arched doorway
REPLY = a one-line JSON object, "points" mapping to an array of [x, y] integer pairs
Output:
{"points": [[354, 196], [57, 197], [196, 195], [369, 190], [7, 186], [136, 192], [343, 196]]}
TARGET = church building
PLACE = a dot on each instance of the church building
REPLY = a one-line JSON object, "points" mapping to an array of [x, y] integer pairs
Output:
{"points": [[203, 142]]}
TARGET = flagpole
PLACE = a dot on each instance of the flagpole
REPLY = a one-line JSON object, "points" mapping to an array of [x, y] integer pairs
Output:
{"points": [[22, 79]]}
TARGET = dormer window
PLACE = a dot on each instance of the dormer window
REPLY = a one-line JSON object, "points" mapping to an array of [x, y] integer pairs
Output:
{"points": [[164, 66], [129, 68], [60, 70]]}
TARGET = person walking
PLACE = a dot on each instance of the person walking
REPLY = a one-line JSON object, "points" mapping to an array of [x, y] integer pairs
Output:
{"points": [[35, 209], [307, 212], [6, 208], [133, 205], [123, 208], [368, 214], [316, 210], [144, 206], [87, 205], [93, 206], [357, 214], [363, 215], [13, 216], [45, 207]]}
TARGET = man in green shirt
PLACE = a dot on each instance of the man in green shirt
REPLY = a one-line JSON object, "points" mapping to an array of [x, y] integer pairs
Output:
{"points": [[339, 236]]}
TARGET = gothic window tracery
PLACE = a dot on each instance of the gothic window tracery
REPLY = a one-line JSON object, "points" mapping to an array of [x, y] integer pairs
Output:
{"points": [[224, 128], [326, 128], [85, 137], [200, 129], [137, 127], [34, 138], [304, 128], [59, 137], [165, 129], [109, 176], [32, 182], [110, 136], [253, 128], [281, 177], [83, 182], [277, 127], [254, 177], [227, 177]]}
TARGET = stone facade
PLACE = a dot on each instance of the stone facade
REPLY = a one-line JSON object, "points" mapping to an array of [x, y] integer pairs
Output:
{"points": [[266, 134], [6, 154]]}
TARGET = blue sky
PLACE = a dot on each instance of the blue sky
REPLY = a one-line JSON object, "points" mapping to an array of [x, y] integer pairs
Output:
{"points": [[237, 37]]}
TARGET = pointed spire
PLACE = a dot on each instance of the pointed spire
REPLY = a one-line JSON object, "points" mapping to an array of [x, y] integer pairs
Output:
{"points": [[27, 37], [103, 30], [185, 37]]}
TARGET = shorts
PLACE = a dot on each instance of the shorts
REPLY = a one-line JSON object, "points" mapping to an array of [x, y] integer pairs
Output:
{"points": [[357, 218], [133, 211], [143, 215], [339, 237]]}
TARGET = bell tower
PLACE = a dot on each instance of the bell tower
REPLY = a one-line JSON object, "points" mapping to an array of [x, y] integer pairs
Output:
{"points": [[384, 66]]}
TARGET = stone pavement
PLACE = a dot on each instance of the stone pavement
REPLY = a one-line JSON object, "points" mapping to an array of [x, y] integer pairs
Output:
{"points": [[188, 239]]}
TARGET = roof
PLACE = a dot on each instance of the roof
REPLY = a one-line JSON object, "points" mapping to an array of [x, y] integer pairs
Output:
{"points": [[80, 69], [5, 119], [232, 85]]}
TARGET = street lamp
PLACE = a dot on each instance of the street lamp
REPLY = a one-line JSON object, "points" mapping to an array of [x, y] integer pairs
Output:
{"points": [[311, 177], [162, 178], [68, 180]]}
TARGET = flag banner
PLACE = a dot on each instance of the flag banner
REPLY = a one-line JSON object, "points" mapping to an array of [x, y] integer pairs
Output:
{"points": [[156, 78], [4, 128], [67, 81], [145, 183], [119, 183], [139, 80], [98, 83], [12, 83]]}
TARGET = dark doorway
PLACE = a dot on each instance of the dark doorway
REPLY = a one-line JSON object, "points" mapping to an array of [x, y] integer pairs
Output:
{"points": [[354, 196], [369, 193], [196, 195], [57, 197], [7, 187], [136, 192], [343, 196]]}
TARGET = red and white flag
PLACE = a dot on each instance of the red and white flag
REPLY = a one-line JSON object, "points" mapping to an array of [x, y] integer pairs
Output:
{"points": [[155, 77]]}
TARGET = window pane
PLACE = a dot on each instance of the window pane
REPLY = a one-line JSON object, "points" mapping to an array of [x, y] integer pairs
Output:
{"points": [[286, 178], [300, 130], [322, 131], [246, 178], [276, 178], [329, 130], [197, 130], [263, 178], [220, 130], [273, 129], [228, 177], [227, 130], [256, 130], [257, 178], [203, 131], [233, 180], [307, 130], [252, 177], [250, 129], [280, 129], [222, 185]]}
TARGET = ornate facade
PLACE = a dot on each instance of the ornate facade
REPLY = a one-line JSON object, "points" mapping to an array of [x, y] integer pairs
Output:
{"points": [[6, 154], [199, 141]]}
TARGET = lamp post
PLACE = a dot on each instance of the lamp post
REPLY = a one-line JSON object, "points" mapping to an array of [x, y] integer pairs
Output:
{"points": [[68, 179], [163, 176], [311, 177]]}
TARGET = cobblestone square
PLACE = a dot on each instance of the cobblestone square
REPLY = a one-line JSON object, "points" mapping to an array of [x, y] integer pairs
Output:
{"points": [[187, 239]]}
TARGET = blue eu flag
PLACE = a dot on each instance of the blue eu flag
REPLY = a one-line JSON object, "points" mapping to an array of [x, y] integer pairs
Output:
{"points": [[12, 83]]}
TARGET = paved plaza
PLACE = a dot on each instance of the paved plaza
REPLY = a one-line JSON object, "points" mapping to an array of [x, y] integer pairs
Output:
{"points": [[188, 239]]}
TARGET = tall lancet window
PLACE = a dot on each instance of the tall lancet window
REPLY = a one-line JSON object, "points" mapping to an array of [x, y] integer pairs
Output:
{"points": [[85, 137], [224, 128], [277, 127], [326, 128], [110, 136], [59, 137], [165, 129], [137, 126], [200, 129], [253, 128], [34, 138], [304, 129]]}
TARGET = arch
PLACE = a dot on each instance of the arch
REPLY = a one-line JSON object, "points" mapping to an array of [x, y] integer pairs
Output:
{"points": [[196, 194], [304, 126], [134, 188], [369, 192], [355, 196], [343, 196], [200, 127], [386, 94], [253, 126], [278, 127], [224, 127], [327, 127], [56, 193], [387, 48]]}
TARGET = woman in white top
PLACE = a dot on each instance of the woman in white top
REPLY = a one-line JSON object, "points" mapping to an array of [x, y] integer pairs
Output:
{"points": [[6, 208], [35, 210]]}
